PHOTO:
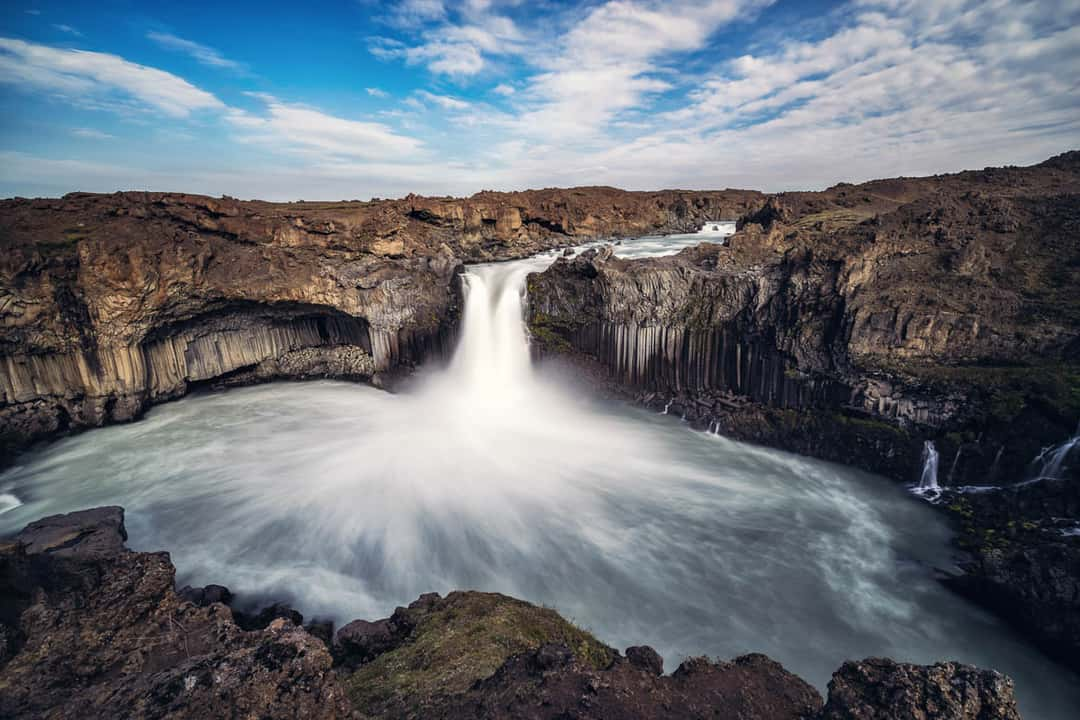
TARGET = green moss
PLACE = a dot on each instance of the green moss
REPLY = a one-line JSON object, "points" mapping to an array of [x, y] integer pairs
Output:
{"points": [[1008, 389], [467, 638], [869, 425], [65, 243], [551, 332]]}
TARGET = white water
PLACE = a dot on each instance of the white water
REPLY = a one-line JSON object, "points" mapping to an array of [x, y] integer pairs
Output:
{"points": [[928, 481], [1051, 461], [1050, 464], [347, 501]]}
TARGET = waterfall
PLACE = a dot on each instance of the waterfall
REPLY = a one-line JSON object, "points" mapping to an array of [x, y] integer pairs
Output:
{"points": [[492, 362], [952, 468], [928, 481], [1051, 461]]}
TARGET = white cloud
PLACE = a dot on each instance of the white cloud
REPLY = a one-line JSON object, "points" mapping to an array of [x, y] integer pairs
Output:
{"points": [[610, 61], [99, 79], [454, 48], [377, 92], [67, 29], [443, 101], [201, 53], [307, 131], [504, 90], [91, 134]]}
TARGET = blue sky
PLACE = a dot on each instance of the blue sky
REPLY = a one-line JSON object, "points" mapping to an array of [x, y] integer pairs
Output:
{"points": [[355, 99]]}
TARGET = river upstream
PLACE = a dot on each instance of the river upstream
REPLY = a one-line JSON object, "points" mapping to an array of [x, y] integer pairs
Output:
{"points": [[347, 501]]}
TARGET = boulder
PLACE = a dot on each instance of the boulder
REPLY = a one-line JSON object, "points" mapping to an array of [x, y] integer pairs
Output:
{"points": [[882, 689]]}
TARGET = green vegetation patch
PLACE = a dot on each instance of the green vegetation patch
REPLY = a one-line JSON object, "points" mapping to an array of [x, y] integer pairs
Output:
{"points": [[832, 220], [466, 638], [1008, 389], [551, 332]]}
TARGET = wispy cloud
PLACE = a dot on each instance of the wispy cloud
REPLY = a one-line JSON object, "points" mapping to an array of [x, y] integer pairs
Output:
{"points": [[377, 92], [91, 134], [67, 29], [445, 102], [457, 45], [99, 80], [201, 53], [308, 131]]}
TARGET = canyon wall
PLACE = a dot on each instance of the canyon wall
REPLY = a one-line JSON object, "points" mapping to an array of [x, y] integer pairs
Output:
{"points": [[110, 303], [854, 323]]}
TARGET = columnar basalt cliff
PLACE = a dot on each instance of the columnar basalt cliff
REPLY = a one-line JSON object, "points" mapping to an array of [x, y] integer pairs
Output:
{"points": [[109, 303], [89, 629], [944, 308], [857, 323]]}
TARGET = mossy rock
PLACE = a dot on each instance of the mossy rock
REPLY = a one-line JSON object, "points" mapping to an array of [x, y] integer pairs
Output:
{"points": [[461, 639]]}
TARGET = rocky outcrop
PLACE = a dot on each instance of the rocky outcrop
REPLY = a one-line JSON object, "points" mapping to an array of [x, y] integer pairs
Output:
{"points": [[940, 307], [1023, 545], [883, 689], [92, 630], [110, 303]]}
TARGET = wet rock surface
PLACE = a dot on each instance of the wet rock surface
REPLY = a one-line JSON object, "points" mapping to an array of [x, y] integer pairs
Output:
{"points": [[1023, 556], [93, 630]]}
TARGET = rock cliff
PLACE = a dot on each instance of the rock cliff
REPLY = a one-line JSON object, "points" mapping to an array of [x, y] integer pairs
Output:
{"points": [[944, 307], [109, 303], [89, 629], [857, 323]]}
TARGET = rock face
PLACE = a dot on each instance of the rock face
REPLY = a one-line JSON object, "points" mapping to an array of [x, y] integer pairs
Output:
{"points": [[110, 303], [92, 630], [855, 324], [943, 307], [1024, 556]]}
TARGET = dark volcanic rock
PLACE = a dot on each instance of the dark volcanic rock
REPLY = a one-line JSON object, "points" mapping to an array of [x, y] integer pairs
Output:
{"points": [[1024, 557], [203, 596], [548, 683], [645, 658], [92, 630], [96, 631], [943, 308], [877, 689]]}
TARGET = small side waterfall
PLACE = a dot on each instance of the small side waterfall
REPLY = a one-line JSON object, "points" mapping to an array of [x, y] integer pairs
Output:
{"points": [[928, 481], [1051, 461]]}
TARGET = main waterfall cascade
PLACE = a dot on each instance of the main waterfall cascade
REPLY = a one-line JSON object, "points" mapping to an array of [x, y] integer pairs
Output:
{"points": [[492, 474]]}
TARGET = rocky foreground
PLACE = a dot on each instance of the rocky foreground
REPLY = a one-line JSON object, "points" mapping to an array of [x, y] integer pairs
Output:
{"points": [[89, 629]]}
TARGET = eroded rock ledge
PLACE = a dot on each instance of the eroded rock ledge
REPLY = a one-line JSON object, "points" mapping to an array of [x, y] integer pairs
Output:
{"points": [[110, 303], [89, 629]]}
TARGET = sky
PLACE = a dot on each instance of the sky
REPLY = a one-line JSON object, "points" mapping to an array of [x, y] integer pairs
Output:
{"points": [[359, 99]]}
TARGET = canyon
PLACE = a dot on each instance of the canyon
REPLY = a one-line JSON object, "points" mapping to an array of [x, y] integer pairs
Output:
{"points": [[861, 324]]}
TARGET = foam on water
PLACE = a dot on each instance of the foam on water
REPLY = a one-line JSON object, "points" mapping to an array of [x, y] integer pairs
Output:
{"points": [[347, 501]]}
